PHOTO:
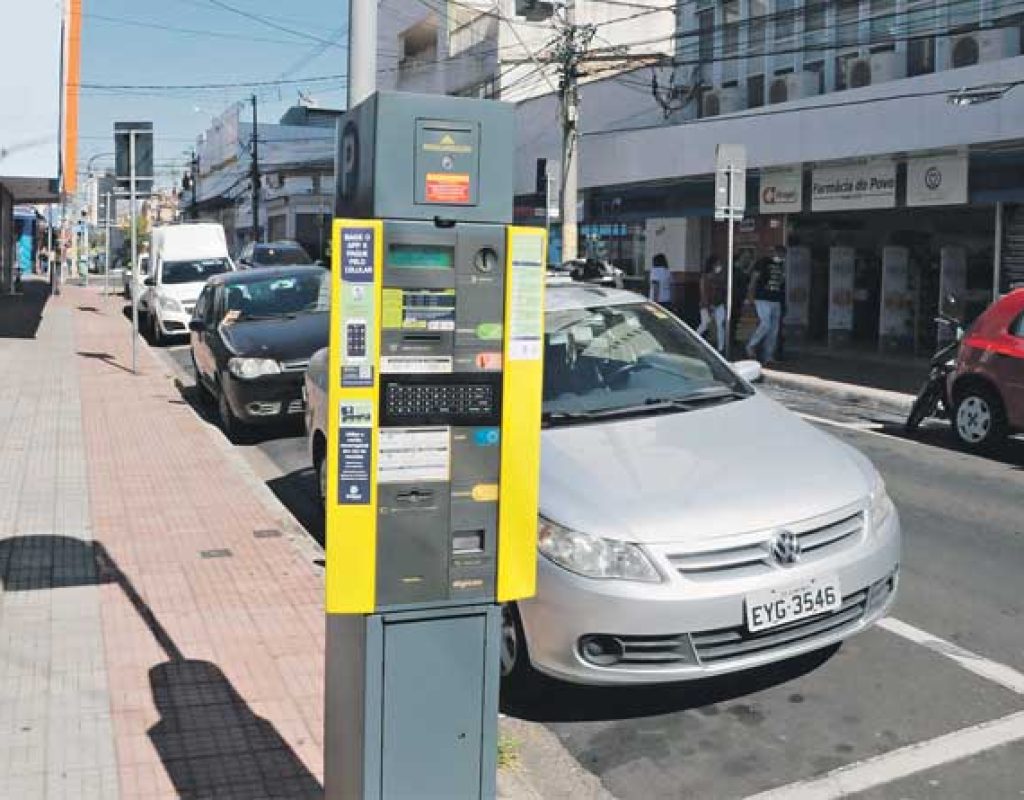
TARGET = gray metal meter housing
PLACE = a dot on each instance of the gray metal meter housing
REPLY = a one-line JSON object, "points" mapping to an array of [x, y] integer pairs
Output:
{"points": [[411, 156]]}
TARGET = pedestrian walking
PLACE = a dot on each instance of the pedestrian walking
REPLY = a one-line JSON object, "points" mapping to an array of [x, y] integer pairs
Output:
{"points": [[661, 282], [767, 291], [713, 290]]}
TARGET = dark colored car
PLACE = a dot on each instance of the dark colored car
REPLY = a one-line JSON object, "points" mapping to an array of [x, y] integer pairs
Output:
{"points": [[987, 386], [252, 335], [273, 254]]}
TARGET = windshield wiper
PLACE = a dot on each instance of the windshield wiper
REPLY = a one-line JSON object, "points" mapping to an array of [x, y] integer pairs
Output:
{"points": [[652, 405], [261, 317], [712, 394]]}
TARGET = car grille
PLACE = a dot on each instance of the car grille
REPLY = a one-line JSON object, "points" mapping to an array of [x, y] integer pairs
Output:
{"points": [[656, 650], [721, 645], [295, 365], [295, 407], [753, 558]]}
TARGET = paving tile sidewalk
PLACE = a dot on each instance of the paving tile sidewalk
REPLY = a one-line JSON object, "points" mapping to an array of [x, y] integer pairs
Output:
{"points": [[157, 638]]}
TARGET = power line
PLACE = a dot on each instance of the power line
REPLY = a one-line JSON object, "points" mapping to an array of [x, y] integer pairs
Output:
{"points": [[190, 31], [197, 86], [268, 22]]}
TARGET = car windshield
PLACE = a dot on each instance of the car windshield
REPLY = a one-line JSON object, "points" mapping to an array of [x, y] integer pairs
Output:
{"points": [[280, 297], [609, 359], [193, 271], [281, 256]]}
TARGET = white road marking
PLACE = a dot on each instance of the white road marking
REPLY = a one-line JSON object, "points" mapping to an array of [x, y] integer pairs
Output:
{"points": [[979, 665], [909, 760], [892, 766]]}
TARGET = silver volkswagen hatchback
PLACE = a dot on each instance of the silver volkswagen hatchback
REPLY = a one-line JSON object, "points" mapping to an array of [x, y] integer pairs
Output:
{"points": [[690, 526]]}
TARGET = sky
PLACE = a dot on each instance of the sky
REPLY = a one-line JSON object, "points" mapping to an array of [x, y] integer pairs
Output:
{"points": [[174, 42]]}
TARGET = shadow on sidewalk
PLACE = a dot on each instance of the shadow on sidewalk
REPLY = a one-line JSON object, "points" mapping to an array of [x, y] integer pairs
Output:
{"points": [[20, 314], [297, 491], [208, 739], [106, 358], [551, 701]]}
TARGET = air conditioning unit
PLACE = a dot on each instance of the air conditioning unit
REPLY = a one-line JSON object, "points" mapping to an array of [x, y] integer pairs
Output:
{"points": [[858, 73], [980, 46], [888, 66], [793, 86], [725, 100]]}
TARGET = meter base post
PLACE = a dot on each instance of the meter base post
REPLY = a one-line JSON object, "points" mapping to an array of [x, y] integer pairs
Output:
{"points": [[412, 704]]}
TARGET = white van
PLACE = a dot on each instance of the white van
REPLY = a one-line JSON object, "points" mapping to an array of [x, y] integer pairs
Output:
{"points": [[182, 257]]}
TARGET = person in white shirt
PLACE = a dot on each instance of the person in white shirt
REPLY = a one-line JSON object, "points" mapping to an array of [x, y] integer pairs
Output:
{"points": [[661, 281]]}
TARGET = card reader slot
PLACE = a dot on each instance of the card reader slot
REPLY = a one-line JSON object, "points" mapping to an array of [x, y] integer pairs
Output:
{"points": [[415, 498], [421, 337], [468, 541]]}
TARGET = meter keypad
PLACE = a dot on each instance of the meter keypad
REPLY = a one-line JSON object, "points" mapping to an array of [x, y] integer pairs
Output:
{"points": [[444, 403]]}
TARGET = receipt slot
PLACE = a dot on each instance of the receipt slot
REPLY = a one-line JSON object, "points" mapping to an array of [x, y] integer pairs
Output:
{"points": [[433, 459]]}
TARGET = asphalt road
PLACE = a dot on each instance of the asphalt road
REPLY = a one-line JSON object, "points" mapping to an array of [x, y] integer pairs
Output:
{"points": [[948, 667]]}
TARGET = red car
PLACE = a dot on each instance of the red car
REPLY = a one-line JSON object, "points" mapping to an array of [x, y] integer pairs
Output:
{"points": [[987, 386]]}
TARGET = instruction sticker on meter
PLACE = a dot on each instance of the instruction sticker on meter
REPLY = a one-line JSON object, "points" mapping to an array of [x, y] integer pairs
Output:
{"points": [[358, 307], [414, 455], [526, 297], [355, 436]]}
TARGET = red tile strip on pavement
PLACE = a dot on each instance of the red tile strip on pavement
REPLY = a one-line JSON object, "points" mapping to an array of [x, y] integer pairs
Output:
{"points": [[215, 664]]}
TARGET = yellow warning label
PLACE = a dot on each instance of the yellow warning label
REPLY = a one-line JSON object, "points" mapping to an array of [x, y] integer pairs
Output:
{"points": [[485, 493], [447, 145]]}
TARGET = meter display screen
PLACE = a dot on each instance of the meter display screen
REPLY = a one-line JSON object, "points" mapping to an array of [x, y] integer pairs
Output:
{"points": [[421, 256]]}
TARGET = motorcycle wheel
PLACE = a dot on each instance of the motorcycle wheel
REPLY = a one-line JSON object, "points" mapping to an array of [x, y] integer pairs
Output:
{"points": [[924, 406]]}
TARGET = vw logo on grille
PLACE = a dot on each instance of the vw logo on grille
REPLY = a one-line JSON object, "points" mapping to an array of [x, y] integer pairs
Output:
{"points": [[785, 548]]}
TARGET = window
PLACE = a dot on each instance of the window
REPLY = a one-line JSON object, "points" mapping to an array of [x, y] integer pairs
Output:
{"points": [[785, 19], [843, 65], [755, 91], [192, 271], [706, 36], [921, 56], [814, 17], [1017, 328], [883, 21], [847, 22], [730, 27], [757, 27]]}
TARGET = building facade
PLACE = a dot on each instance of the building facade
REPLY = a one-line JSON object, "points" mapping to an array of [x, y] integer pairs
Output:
{"points": [[38, 116], [295, 163]]}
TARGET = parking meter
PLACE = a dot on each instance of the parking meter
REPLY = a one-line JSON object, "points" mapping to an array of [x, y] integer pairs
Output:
{"points": [[434, 443]]}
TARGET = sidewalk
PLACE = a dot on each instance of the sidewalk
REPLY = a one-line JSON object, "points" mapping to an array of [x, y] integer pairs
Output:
{"points": [[161, 619], [160, 634]]}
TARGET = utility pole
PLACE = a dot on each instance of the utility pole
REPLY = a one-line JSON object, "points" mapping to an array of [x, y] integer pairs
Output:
{"points": [[194, 209], [136, 289], [575, 41], [106, 260], [362, 50], [255, 176]]}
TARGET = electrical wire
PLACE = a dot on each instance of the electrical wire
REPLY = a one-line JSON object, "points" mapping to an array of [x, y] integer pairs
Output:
{"points": [[190, 31]]}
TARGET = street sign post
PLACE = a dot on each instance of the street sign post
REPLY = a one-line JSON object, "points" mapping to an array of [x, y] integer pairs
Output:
{"points": [[730, 205], [133, 160]]}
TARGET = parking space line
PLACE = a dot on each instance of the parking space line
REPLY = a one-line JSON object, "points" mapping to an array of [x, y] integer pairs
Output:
{"points": [[909, 760], [993, 671]]}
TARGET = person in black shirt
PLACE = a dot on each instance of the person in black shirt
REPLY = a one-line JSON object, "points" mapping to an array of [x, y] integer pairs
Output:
{"points": [[713, 290], [767, 291]]}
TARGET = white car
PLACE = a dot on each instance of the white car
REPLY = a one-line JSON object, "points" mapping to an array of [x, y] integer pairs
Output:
{"points": [[689, 525], [182, 258], [126, 277]]}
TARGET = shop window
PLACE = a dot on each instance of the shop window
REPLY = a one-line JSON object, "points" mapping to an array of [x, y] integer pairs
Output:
{"points": [[755, 91]]}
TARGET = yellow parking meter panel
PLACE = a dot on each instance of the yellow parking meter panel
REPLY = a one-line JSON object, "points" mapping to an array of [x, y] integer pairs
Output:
{"points": [[353, 392], [521, 419]]}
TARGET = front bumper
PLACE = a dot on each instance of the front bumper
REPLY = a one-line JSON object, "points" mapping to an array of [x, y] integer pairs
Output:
{"points": [[679, 630], [266, 400]]}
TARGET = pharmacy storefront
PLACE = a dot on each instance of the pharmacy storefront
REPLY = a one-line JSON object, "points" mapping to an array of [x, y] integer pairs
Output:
{"points": [[875, 243]]}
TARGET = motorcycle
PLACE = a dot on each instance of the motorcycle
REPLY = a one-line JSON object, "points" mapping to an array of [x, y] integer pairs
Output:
{"points": [[933, 397]]}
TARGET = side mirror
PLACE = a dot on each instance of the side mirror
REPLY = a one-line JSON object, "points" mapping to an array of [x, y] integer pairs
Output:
{"points": [[749, 370], [197, 325], [149, 282]]}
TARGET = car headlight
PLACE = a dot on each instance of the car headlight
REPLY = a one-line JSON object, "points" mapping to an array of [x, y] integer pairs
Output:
{"points": [[249, 368], [170, 304], [592, 556], [880, 505]]}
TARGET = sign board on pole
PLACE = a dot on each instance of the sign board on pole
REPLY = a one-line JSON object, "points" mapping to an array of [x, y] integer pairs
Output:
{"points": [[143, 132], [730, 167]]}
